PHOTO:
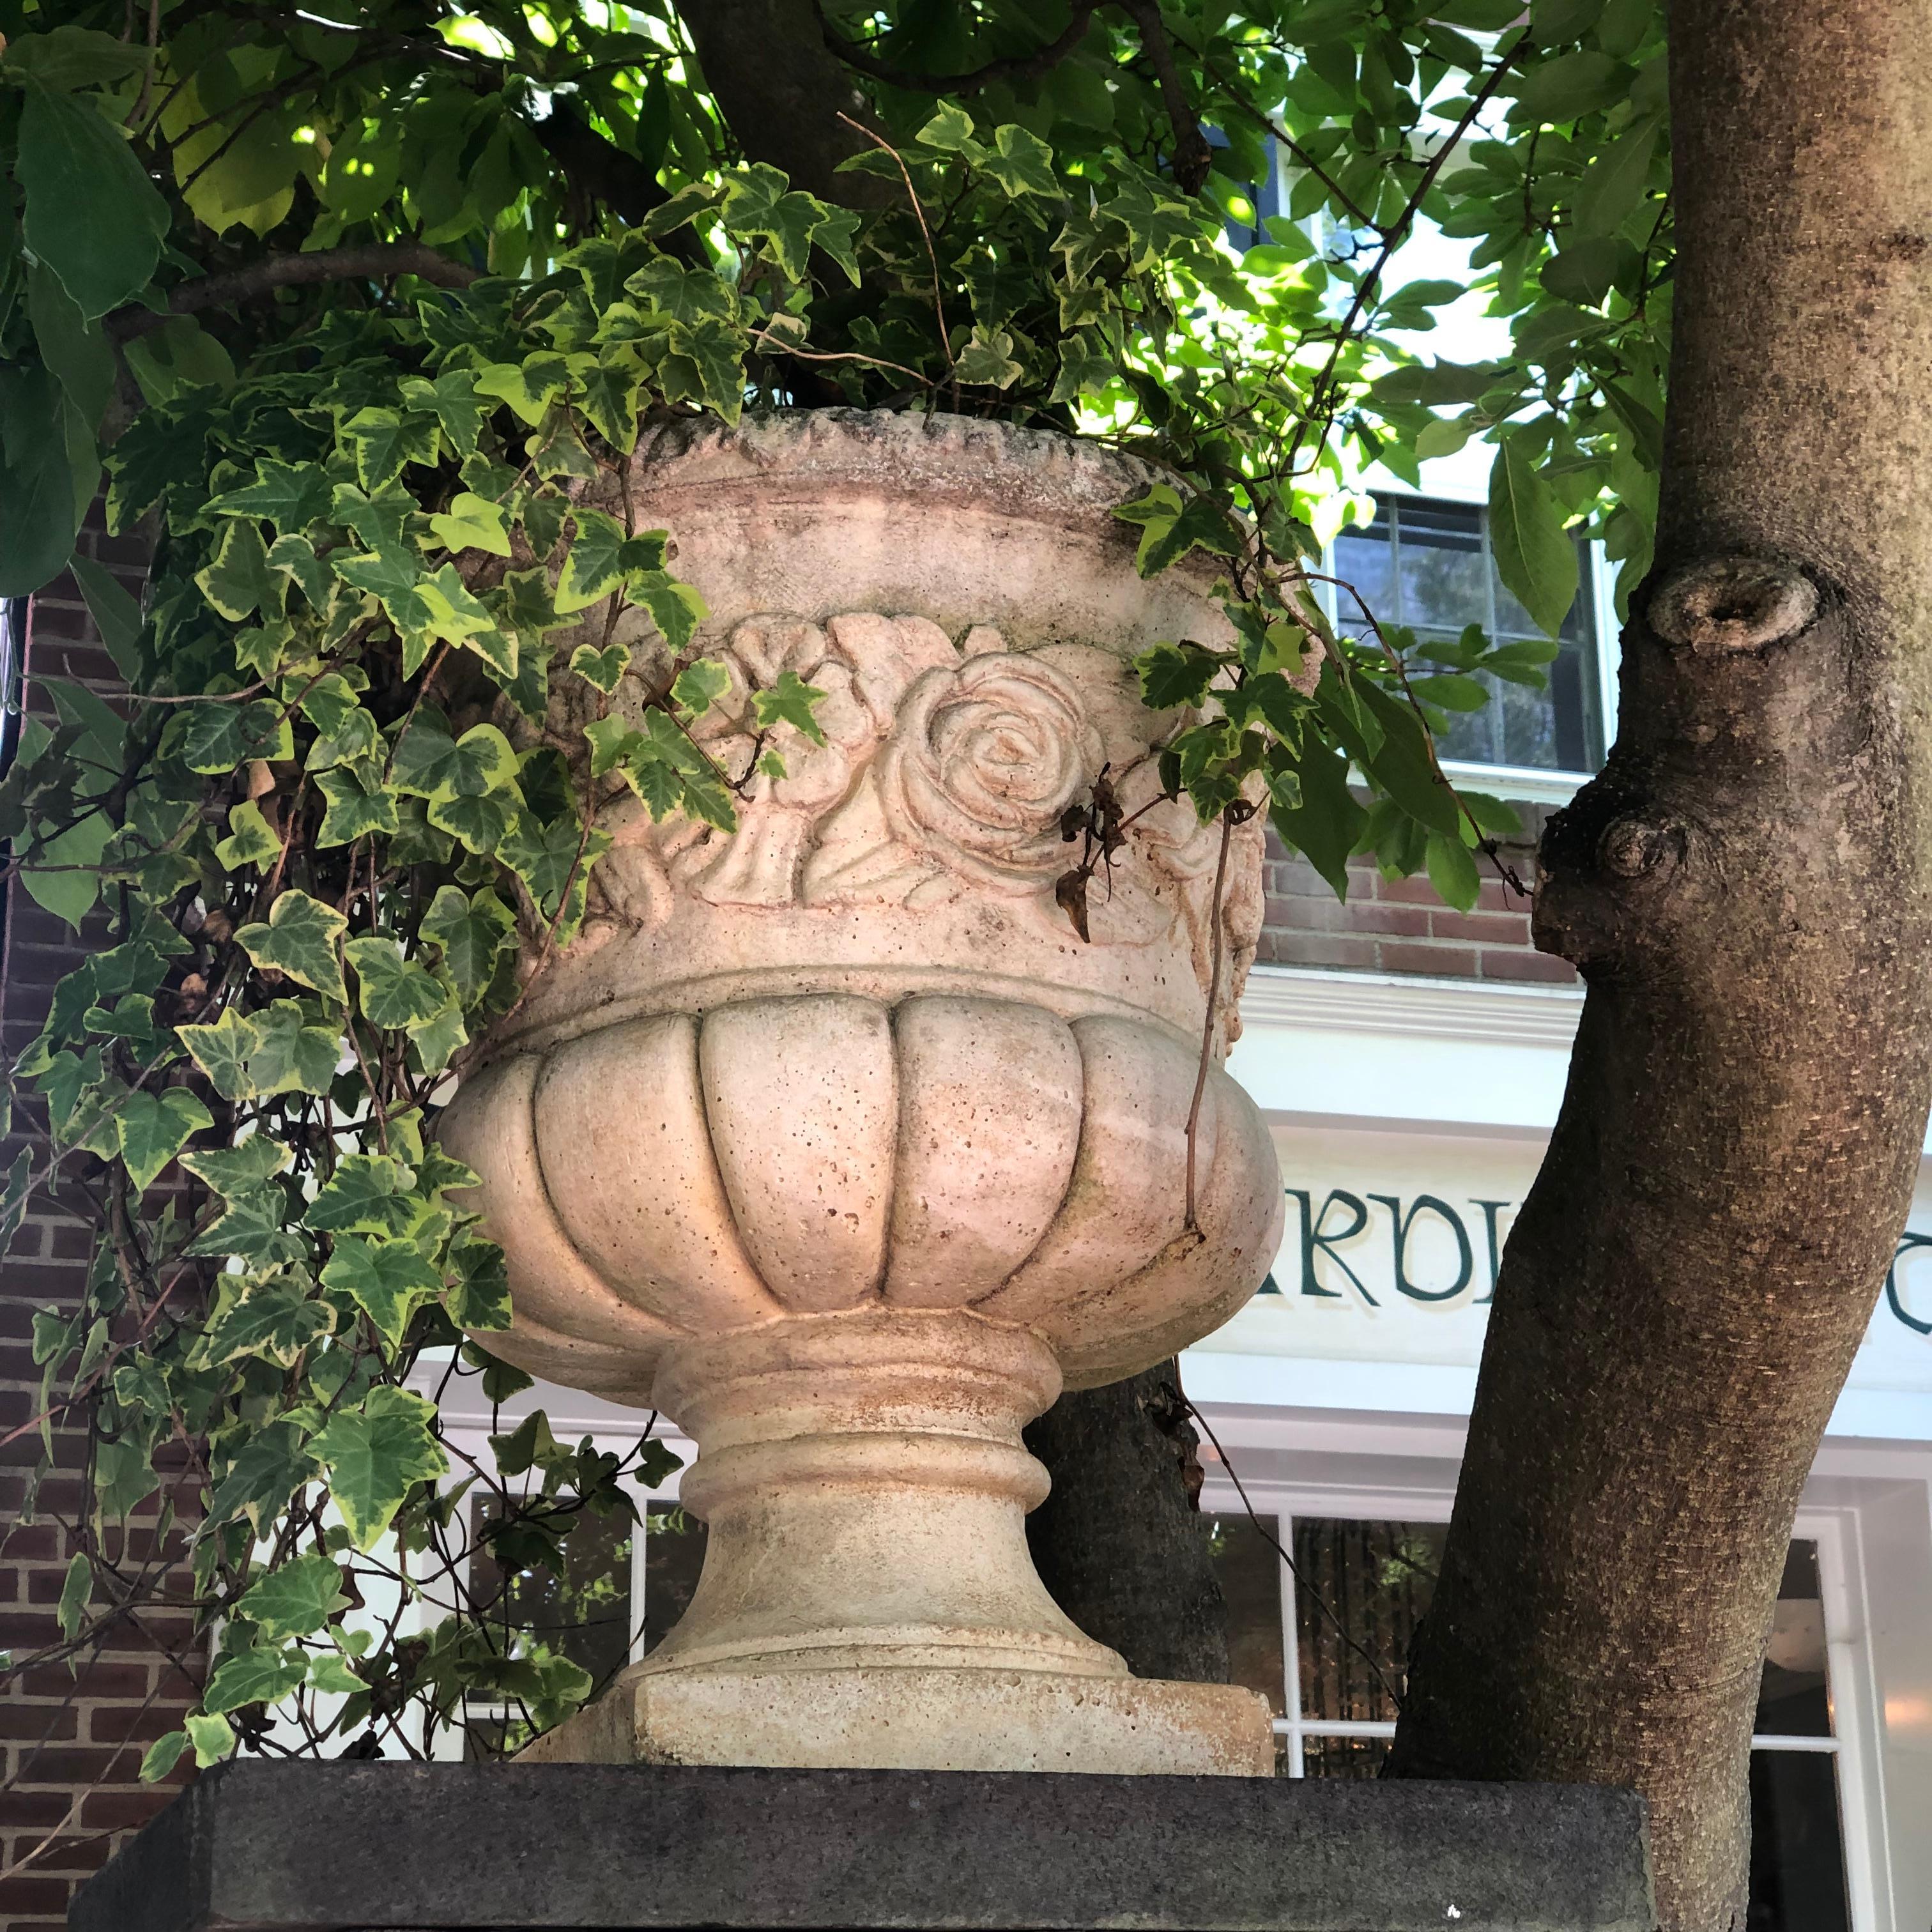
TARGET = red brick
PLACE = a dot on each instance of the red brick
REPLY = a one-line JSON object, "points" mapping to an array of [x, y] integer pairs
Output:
{"points": [[1528, 966], [39, 1724], [1318, 950], [1452, 962], [1490, 928]]}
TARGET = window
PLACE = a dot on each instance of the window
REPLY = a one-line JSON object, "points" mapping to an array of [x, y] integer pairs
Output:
{"points": [[1427, 564], [1327, 1648], [607, 1608]]}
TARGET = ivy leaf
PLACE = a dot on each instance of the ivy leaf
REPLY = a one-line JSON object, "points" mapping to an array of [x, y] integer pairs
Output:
{"points": [[296, 1600], [950, 130], [162, 1756], [222, 1050], [472, 932], [367, 1194], [299, 940], [594, 567], [291, 496], [700, 684], [267, 1467], [153, 1128], [75, 1589], [376, 1455], [704, 363], [758, 203], [256, 1675], [216, 737], [677, 609], [355, 810], [275, 1319], [388, 1280], [610, 395], [1172, 674], [482, 824], [1021, 162], [473, 523], [290, 1056], [1535, 555], [987, 360], [480, 1298], [790, 701], [238, 581], [251, 839], [393, 992], [603, 668], [213, 1737], [394, 578], [529, 387], [452, 399], [384, 442], [331, 1674], [71, 158]]}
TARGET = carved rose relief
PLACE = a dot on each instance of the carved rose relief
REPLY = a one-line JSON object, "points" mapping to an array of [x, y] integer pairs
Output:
{"points": [[946, 772]]}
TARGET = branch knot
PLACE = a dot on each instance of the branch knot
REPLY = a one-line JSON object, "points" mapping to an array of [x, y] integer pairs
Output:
{"points": [[1717, 604]]}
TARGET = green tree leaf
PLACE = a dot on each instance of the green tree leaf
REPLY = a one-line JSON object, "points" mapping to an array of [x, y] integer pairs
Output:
{"points": [[376, 1455], [299, 940], [71, 158], [1535, 555], [1452, 871]]}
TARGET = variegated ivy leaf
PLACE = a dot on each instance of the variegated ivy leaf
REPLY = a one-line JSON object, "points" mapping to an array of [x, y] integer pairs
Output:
{"points": [[367, 1194], [299, 939], [251, 840], [393, 992], [473, 523], [376, 1454], [388, 1280]]}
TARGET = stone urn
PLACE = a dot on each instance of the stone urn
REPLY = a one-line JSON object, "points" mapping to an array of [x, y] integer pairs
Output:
{"points": [[832, 1139]]}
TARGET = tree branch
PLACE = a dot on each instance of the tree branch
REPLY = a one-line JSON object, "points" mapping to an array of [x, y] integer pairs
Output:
{"points": [[621, 182], [1018, 67], [370, 262], [1193, 157]]}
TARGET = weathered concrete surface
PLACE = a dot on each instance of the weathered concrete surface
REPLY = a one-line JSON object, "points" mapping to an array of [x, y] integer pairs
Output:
{"points": [[511, 1848]]}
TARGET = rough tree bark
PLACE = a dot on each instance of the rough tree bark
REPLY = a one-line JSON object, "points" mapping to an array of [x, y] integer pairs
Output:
{"points": [[1119, 1542], [1745, 888]]}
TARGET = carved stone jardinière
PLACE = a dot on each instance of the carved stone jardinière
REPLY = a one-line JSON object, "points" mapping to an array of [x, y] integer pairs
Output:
{"points": [[833, 1140]]}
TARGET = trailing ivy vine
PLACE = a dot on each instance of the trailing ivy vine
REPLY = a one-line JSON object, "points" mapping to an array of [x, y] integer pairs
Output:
{"points": [[324, 858]]}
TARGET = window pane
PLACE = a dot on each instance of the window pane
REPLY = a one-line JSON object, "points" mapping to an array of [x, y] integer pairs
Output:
{"points": [[1365, 558], [1343, 1757], [674, 1555], [1798, 1855], [1250, 1577], [585, 1613], [1794, 1696], [1361, 1589], [1443, 572]]}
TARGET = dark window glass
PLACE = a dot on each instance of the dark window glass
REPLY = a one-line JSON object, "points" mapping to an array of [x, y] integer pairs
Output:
{"points": [[1797, 1852], [1250, 1577], [1794, 1699], [1361, 1587], [674, 1555], [1427, 564], [585, 1612], [1343, 1757]]}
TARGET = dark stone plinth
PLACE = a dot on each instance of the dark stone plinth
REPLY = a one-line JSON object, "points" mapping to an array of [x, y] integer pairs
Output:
{"points": [[582, 1848]]}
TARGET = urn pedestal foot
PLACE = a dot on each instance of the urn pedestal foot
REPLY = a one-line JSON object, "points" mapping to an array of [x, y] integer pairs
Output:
{"points": [[868, 1600], [911, 1719]]}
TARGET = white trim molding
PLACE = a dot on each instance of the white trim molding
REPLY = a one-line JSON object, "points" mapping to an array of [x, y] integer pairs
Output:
{"points": [[1409, 1005]]}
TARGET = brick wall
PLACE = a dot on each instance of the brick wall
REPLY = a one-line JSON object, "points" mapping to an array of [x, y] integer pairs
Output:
{"points": [[1401, 926], [70, 1740]]}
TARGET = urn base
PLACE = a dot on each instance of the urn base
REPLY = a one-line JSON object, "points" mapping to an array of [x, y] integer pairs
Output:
{"points": [[913, 1719]]}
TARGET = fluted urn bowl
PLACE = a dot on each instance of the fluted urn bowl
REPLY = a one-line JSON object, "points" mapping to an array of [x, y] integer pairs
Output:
{"points": [[834, 1139]]}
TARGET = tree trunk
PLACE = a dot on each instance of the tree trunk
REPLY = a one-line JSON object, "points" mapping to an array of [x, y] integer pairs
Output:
{"points": [[1745, 890], [1120, 1543]]}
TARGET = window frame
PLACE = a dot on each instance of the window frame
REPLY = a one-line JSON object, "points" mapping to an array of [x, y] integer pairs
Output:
{"points": [[1527, 783], [1850, 1673]]}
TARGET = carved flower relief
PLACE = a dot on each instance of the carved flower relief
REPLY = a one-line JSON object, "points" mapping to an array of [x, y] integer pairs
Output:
{"points": [[946, 770]]}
